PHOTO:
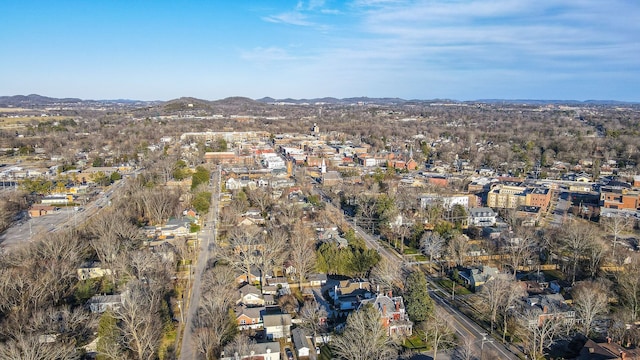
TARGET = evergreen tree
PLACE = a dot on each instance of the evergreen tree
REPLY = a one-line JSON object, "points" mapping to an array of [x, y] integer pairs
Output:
{"points": [[419, 304], [108, 333]]}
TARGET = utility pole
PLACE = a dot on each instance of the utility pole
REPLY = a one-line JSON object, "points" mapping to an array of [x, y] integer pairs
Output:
{"points": [[453, 290]]}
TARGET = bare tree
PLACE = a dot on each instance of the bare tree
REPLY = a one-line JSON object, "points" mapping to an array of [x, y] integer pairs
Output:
{"points": [[520, 248], [364, 338], [159, 204], [313, 317], [366, 211], [591, 299], [241, 348], [539, 333], [432, 245], [628, 288], [245, 245], [493, 293], [388, 274], [213, 326], [438, 331], [274, 251], [616, 225], [596, 253], [111, 237], [140, 322], [457, 248], [575, 239], [513, 293], [465, 350], [31, 347], [302, 254], [261, 198]]}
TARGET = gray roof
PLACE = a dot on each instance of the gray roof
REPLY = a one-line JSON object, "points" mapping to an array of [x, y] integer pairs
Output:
{"points": [[276, 320], [249, 289], [252, 312], [300, 339], [381, 302]]}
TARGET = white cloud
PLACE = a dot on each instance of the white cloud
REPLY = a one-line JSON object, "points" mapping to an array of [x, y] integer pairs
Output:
{"points": [[291, 18]]}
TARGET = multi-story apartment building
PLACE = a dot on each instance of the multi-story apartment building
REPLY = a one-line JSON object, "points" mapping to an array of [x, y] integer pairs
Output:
{"points": [[511, 195], [507, 195], [618, 197]]}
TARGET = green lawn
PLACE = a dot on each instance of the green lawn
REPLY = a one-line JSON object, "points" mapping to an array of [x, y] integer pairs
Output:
{"points": [[415, 342], [325, 353], [446, 285]]}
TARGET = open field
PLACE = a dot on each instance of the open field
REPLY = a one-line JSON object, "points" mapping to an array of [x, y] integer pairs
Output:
{"points": [[9, 110], [14, 122]]}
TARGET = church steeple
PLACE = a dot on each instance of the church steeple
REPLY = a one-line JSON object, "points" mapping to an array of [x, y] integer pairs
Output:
{"points": [[323, 167]]}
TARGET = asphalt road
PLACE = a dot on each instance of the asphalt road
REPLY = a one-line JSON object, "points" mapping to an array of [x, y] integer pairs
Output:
{"points": [[467, 329], [560, 210], [207, 237]]}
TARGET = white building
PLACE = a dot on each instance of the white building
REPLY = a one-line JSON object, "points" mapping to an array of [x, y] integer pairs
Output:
{"points": [[273, 161], [445, 201], [483, 216]]}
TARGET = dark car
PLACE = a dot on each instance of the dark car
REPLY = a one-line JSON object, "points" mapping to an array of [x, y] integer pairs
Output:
{"points": [[289, 354]]}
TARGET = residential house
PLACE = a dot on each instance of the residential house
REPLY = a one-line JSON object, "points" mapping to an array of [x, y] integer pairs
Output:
{"points": [[277, 326], [332, 235], [261, 351], [254, 277], [250, 295], [317, 279], [91, 270], [303, 345], [176, 227], [548, 306], [483, 216], [348, 293], [278, 281], [476, 277], [251, 221], [392, 314], [607, 351], [237, 184], [448, 201], [101, 303], [249, 317]]}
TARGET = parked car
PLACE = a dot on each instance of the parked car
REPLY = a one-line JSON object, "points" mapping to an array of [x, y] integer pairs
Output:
{"points": [[289, 354]]}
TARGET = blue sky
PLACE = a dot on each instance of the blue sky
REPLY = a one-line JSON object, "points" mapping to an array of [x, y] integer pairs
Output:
{"points": [[413, 49]]}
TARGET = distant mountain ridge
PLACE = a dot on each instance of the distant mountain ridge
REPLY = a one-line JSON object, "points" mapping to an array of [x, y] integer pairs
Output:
{"points": [[183, 102], [34, 99], [39, 100]]}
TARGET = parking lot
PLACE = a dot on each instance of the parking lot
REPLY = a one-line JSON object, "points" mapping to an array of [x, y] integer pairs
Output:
{"points": [[28, 228]]}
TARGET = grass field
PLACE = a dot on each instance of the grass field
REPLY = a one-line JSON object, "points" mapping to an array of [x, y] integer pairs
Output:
{"points": [[29, 119]]}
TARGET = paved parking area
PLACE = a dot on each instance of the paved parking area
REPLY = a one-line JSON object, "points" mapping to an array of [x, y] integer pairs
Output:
{"points": [[28, 228]]}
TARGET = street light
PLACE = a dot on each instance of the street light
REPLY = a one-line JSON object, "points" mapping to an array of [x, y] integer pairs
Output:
{"points": [[484, 340]]}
